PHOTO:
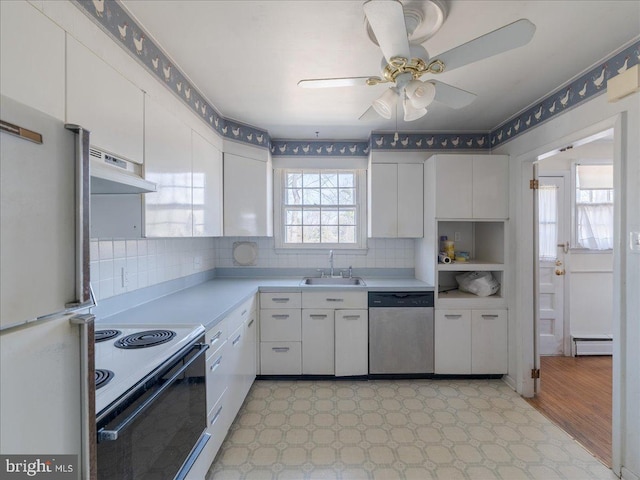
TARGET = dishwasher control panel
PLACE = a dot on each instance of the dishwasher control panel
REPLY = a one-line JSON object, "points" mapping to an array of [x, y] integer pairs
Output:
{"points": [[400, 299]]}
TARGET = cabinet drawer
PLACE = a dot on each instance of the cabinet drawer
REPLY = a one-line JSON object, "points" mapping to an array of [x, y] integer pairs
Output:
{"points": [[334, 299], [280, 325], [217, 375], [281, 358], [240, 314], [280, 300], [216, 337]]}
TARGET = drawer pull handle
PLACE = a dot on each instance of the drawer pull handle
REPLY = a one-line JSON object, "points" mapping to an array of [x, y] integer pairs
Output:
{"points": [[280, 317], [452, 316], [237, 339], [280, 300], [250, 323], [244, 312], [216, 416], [216, 365], [489, 316], [351, 317], [216, 337], [280, 349], [335, 299], [318, 316]]}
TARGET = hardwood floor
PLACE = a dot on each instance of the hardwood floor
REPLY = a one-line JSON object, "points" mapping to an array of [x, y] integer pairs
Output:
{"points": [[576, 396]]}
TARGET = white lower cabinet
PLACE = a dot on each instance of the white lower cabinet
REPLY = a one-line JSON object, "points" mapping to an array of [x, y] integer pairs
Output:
{"points": [[318, 341], [230, 371], [471, 342], [280, 333], [281, 358], [351, 342]]}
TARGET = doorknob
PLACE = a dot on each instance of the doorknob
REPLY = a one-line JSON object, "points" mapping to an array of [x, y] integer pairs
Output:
{"points": [[559, 272], [558, 263]]}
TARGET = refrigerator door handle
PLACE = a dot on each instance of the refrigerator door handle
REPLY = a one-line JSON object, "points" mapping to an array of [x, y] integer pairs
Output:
{"points": [[83, 218]]}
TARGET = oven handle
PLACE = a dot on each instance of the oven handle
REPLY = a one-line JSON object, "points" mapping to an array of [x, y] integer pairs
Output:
{"points": [[110, 435]]}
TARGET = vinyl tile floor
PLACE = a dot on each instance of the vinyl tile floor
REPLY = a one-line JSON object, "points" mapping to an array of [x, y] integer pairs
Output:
{"points": [[397, 429]]}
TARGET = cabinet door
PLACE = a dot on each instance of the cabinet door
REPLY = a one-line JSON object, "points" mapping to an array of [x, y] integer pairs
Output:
{"points": [[351, 342], [104, 102], [235, 393], [245, 197], [454, 175], [249, 353], [490, 186], [168, 212], [317, 342], [410, 200], [383, 205], [489, 341], [32, 58], [453, 342], [207, 188]]}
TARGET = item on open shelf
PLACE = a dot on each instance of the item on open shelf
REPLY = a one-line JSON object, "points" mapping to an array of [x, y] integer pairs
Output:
{"points": [[449, 249], [443, 258], [462, 256], [482, 284]]}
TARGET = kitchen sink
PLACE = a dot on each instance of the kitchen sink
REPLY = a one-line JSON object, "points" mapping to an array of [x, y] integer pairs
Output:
{"points": [[338, 281]]}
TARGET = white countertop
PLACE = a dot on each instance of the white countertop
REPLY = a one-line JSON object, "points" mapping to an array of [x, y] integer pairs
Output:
{"points": [[209, 302]]}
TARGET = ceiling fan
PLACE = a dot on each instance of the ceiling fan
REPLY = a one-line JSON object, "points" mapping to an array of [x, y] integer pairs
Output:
{"points": [[399, 30]]}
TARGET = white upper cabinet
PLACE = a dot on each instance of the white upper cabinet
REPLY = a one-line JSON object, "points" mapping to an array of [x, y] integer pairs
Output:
{"points": [[395, 200], [168, 212], [104, 102], [207, 188], [472, 186], [248, 208], [31, 58]]}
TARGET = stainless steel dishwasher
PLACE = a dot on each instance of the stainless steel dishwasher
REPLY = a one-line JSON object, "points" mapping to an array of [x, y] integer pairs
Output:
{"points": [[401, 333]]}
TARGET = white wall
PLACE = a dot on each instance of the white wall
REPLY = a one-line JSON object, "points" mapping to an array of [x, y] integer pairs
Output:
{"points": [[591, 117]]}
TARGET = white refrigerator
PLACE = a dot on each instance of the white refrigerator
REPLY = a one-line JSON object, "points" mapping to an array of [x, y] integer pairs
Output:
{"points": [[47, 382]]}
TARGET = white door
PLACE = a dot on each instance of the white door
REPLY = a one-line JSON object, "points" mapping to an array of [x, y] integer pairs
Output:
{"points": [[551, 252]]}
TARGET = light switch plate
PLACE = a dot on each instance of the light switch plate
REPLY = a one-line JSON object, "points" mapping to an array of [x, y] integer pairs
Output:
{"points": [[634, 242]]}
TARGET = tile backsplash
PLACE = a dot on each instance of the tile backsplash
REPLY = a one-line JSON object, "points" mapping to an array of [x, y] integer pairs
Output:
{"points": [[120, 266]]}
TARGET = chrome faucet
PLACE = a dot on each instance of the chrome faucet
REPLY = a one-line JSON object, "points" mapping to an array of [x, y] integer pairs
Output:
{"points": [[331, 263]]}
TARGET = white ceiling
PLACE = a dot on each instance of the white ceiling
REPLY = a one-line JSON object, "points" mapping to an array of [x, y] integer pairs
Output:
{"points": [[246, 58]]}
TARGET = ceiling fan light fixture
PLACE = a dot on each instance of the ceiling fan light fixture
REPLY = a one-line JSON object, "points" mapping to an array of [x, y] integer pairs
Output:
{"points": [[386, 103], [411, 112], [420, 94]]}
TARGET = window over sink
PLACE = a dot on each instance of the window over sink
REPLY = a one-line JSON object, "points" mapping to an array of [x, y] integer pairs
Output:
{"points": [[320, 208]]}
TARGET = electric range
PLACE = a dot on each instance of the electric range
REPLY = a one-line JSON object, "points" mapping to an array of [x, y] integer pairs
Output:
{"points": [[126, 354]]}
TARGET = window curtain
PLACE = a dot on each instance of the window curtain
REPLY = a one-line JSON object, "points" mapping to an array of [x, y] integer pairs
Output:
{"points": [[595, 224], [548, 222]]}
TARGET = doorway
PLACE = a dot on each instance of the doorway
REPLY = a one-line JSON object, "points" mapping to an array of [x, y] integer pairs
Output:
{"points": [[574, 304]]}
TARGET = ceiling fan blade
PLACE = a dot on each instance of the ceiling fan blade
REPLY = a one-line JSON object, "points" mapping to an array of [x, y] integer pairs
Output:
{"points": [[370, 114], [452, 96], [501, 40], [386, 18], [333, 82]]}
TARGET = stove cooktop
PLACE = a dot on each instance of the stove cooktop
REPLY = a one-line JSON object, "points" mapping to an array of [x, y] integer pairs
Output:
{"points": [[129, 365]]}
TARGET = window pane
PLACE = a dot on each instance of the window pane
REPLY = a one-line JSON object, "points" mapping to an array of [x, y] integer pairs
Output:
{"points": [[311, 234], [310, 179], [294, 217], [294, 196], [311, 217], [294, 180], [347, 196], [329, 234], [347, 234], [329, 180], [346, 180], [347, 217], [330, 196], [311, 196], [329, 217], [293, 234]]}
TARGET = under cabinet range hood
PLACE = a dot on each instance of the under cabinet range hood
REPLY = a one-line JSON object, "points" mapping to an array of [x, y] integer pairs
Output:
{"points": [[113, 175]]}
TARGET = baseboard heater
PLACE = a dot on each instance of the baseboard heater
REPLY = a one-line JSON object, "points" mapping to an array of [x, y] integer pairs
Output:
{"points": [[591, 345]]}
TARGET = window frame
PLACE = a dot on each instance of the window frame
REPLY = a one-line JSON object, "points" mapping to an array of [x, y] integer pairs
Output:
{"points": [[574, 246], [279, 215]]}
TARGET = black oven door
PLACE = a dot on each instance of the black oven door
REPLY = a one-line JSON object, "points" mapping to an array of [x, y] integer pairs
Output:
{"points": [[152, 434]]}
